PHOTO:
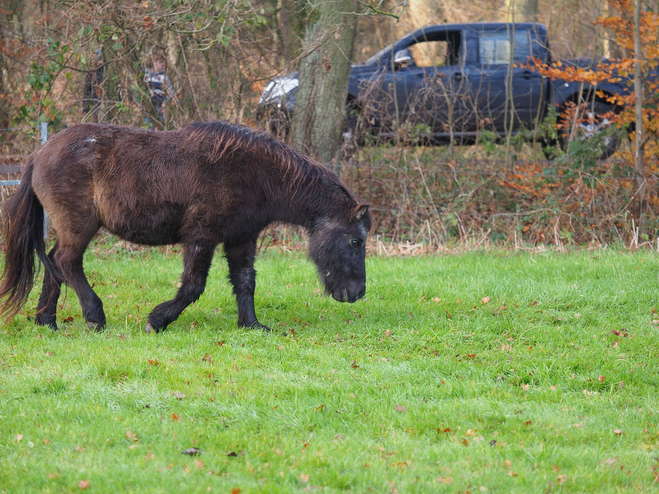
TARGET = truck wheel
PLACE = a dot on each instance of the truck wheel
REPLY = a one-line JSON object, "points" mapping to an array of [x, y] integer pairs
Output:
{"points": [[592, 124], [279, 124], [550, 147], [354, 131]]}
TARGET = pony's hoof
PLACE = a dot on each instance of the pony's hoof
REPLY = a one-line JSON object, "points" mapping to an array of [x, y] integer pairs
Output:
{"points": [[150, 328], [96, 326], [52, 325], [255, 325], [41, 320], [262, 327]]}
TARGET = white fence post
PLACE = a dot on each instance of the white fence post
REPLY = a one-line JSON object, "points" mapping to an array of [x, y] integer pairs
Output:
{"points": [[44, 138]]}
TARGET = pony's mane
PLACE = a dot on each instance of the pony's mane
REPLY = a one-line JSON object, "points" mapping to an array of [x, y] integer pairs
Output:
{"points": [[224, 139]]}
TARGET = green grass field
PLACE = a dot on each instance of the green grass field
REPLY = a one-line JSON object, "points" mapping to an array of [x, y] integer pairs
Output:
{"points": [[480, 372]]}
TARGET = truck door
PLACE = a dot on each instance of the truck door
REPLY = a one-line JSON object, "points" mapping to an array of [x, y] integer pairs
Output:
{"points": [[504, 90], [429, 91], [442, 94]]}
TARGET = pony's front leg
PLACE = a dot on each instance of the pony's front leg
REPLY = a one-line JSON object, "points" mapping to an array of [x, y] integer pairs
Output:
{"points": [[242, 275], [197, 258]]}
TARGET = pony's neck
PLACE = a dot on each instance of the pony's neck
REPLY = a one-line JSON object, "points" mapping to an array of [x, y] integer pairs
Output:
{"points": [[307, 195]]}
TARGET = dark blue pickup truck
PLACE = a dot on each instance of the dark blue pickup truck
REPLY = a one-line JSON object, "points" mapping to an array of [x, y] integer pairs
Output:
{"points": [[452, 81]]}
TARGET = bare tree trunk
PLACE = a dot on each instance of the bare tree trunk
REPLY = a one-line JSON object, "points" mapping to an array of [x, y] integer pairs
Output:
{"points": [[419, 13], [606, 45], [522, 10], [11, 13], [320, 106], [4, 113], [286, 29], [639, 165]]}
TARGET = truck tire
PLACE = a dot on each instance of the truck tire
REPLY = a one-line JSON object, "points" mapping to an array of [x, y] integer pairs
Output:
{"points": [[590, 125], [354, 131]]}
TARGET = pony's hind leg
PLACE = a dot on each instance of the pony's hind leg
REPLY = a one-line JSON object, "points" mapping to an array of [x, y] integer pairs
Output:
{"points": [[68, 258], [197, 260], [47, 307]]}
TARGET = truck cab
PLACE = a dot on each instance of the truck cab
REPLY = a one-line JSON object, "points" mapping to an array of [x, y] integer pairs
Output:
{"points": [[451, 82]]}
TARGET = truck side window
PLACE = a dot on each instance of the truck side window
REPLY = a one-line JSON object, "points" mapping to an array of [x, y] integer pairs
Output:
{"points": [[495, 47], [439, 50]]}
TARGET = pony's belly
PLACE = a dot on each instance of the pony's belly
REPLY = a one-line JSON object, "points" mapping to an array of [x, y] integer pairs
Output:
{"points": [[148, 229], [146, 236]]}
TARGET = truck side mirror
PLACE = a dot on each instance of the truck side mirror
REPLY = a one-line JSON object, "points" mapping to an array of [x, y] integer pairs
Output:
{"points": [[402, 58]]}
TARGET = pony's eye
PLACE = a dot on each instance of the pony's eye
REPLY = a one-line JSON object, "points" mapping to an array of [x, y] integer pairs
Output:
{"points": [[355, 242]]}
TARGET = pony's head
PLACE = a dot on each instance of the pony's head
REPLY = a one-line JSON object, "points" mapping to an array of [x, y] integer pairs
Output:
{"points": [[338, 247]]}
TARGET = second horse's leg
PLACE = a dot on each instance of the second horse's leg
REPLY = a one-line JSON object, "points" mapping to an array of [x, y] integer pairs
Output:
{"points": [[242, 275], [197, 260]]}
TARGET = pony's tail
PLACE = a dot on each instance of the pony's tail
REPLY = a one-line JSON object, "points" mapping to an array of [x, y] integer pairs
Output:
{"points": [[23, 233]]}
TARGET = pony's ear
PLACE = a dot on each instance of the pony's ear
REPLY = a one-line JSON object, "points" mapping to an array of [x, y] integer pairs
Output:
{"points": [[360, 212]]}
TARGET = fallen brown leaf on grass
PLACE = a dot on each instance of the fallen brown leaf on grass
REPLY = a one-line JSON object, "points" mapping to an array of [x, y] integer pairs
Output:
{"points": [[83, 484]]}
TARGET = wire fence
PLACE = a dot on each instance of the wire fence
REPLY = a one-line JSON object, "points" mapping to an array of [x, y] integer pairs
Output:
{"points": [[13, 168], [419, 195]]}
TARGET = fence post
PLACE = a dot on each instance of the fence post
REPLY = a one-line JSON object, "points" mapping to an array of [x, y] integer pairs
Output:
{"points": [[44, 138]]}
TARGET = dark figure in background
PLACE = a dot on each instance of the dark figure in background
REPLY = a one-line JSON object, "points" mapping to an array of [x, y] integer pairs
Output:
{"points": [[91, 101], [160, 87]]}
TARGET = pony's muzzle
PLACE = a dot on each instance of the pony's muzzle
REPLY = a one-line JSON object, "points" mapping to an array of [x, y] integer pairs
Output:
{"points": [[350, 293]]}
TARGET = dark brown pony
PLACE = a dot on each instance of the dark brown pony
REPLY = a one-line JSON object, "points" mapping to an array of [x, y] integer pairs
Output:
{"points": [[206, 184]]}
